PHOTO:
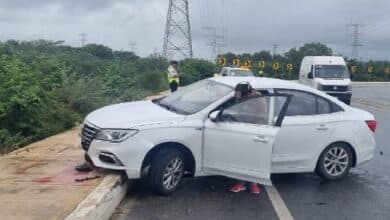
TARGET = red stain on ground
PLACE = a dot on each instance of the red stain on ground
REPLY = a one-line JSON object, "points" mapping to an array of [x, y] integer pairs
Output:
{"points": [[64, 177]]}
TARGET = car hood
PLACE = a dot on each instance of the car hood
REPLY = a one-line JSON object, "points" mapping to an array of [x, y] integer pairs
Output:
{"points": [[333, 82], [132, 115]]}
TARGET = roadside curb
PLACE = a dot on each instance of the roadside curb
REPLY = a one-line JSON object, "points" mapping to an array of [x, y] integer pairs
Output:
{"points": [[100, 204], [362, 84]]}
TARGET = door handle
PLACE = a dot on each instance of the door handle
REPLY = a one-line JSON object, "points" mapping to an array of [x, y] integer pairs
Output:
{"points": [[260, 139], [322, 127]]}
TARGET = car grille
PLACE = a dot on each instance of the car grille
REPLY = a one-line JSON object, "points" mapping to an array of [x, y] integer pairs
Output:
{"points": [[88, 133], [335, 88]]}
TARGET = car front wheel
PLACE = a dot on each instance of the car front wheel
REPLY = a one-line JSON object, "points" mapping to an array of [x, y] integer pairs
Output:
{"points": [[335, 161], [167, 171]]}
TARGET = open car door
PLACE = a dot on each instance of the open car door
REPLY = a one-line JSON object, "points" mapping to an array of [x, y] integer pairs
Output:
{"points": [[239, 139]]}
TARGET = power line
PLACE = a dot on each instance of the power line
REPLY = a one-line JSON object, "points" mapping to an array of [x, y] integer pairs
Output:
{"points": [[177, 37], [83, 38], [356, 43]]}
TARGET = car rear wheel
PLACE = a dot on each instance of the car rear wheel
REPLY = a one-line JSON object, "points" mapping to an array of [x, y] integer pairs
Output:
{"points": [[167, 171], [335, 161]]}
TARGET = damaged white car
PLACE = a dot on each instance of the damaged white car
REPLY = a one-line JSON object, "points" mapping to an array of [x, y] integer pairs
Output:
{"points": [[198, 130]]}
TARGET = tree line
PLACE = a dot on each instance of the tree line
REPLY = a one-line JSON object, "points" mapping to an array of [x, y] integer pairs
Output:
{"points": [[286, 66]]}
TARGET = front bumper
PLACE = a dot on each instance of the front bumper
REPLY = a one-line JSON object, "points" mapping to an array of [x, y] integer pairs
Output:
{"points": [[127, 156]]}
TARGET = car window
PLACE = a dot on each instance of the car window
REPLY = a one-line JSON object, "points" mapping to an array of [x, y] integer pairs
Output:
{"points": [[336, 108], [323, 106], [195, 97], [253, 110], [302, 103]]}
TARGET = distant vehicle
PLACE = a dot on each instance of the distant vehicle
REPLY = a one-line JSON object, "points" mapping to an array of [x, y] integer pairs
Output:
{"points": [[236, 71], [199, 130], [329, 74]]}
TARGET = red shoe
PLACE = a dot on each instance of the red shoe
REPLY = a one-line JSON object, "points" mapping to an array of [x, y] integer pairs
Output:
{"points": [[255, 189], [237, 187]]}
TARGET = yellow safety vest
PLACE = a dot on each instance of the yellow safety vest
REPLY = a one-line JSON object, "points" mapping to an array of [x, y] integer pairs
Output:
{"points": [[174, 78]]}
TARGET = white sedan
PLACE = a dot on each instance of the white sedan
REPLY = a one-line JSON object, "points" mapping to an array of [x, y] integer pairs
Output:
{"points": [[200, 131]]}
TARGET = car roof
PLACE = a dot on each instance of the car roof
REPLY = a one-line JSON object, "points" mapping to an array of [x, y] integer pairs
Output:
{"points": [[261, 82], [272, 83]]}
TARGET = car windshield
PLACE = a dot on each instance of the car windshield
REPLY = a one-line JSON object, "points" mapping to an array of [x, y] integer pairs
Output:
{"points": [[241, 73], [331, 71], [195, 97]]}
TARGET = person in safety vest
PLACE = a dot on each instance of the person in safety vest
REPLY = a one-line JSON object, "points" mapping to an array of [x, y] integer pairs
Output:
{"points": [[173, 75]]}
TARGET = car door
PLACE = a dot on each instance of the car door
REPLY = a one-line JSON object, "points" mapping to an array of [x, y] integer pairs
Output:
{"points": [[305, 131], [239, 142]]}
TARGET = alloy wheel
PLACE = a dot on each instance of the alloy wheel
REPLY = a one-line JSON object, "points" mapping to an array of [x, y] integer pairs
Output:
{"points": [[336, 161], [173, 173]]}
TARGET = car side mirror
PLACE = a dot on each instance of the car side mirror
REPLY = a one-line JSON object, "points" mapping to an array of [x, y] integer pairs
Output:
{"points": [[310, 75], [214, 116]]}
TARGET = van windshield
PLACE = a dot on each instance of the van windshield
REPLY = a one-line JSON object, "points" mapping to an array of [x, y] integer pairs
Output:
{"points": [[331, 71]]}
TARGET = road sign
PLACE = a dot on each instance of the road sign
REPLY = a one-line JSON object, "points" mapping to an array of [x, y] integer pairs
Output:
{"points": [[353, 69], [387, 70], [236, 62], [222, 61], [248, 64], [262, 64], [275, 66], [289, 67], [370, 69]]}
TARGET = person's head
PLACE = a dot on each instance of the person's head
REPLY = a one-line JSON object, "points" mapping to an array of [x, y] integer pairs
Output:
{"points": [[174, 63], [243, 90]]}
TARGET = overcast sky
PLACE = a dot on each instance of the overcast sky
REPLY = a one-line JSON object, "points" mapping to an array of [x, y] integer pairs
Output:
{"points": [[250, 25]]}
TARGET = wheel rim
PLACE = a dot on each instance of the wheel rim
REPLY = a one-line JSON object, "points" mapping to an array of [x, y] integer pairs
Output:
{"points": [[173, 173], [336, 161]]}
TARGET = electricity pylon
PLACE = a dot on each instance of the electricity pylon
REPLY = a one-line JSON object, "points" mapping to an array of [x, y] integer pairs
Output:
{"points": [[177, 37]]}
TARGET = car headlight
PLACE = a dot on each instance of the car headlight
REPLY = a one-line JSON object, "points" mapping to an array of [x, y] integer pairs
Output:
{"points": [[115, 135]]}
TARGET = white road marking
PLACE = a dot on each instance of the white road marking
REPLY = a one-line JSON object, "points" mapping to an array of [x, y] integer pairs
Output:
{"points": [[278, 203]]}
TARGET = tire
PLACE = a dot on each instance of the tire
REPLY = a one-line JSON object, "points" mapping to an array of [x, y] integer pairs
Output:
{"points": [[335, 161], [167, 165]]}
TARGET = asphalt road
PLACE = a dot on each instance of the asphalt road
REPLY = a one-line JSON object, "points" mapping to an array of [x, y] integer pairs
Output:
{"points": [[364, 194]]}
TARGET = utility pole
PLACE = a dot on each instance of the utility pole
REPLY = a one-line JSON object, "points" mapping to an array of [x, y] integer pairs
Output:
{"points": [[177, 37], [275, 47], [83, 39], [356, 33]]}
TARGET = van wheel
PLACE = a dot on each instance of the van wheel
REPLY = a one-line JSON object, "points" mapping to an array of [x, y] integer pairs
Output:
{"points": [[335, 161], [167, 169]]}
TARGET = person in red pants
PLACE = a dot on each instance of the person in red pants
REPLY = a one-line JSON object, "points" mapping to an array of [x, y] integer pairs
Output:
{"points": [[243, 91]]}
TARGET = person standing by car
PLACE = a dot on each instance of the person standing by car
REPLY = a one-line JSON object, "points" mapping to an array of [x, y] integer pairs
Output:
{"points": [[173, 75], [244, 91]]}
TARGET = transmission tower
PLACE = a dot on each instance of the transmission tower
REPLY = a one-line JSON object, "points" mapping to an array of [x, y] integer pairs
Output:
{"points": [[356, 34], [177, 37], [83, 38], [215, 42], [275, 47], [133, 46]]}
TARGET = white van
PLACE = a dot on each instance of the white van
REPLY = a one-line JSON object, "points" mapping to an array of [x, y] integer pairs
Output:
{"points": [[329, 74]]}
